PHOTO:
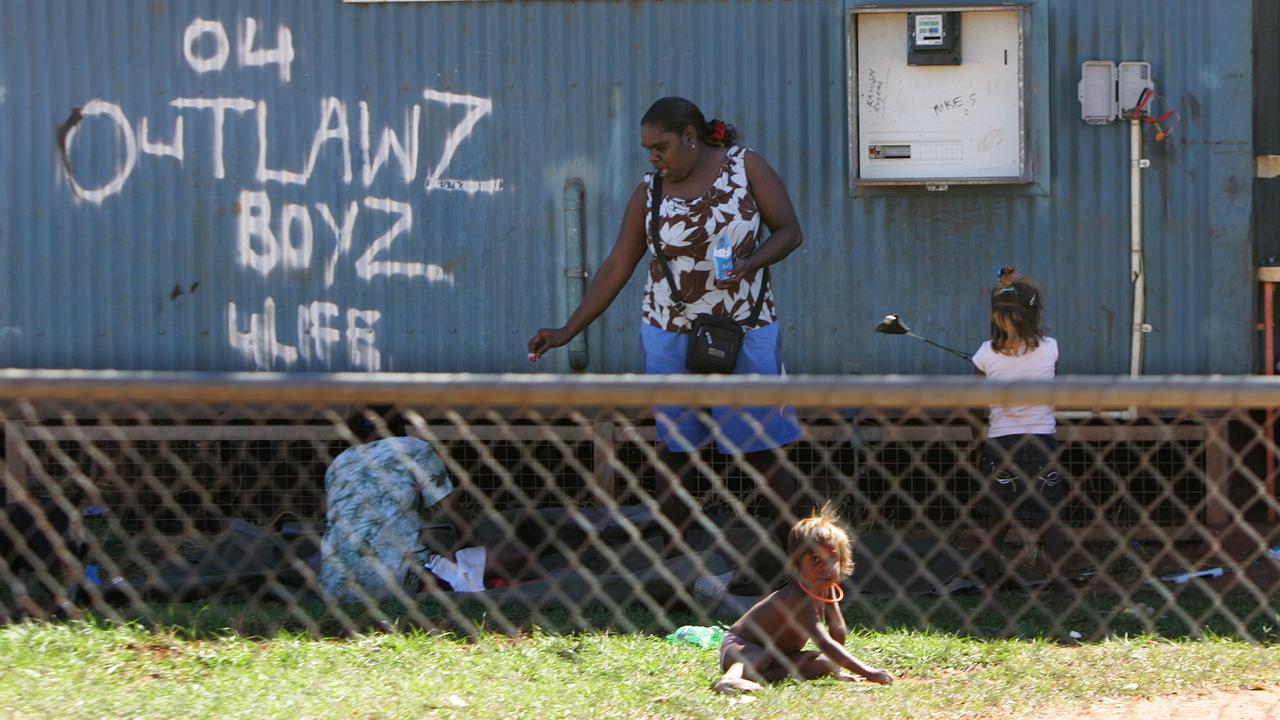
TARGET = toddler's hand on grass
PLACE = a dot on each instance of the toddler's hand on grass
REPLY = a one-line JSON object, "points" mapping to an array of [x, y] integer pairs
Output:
{"points": [[880, 676]]}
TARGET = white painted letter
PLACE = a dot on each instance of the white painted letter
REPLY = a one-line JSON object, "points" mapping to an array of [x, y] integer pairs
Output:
{"points": [[388, 142], [174, 149], [367, 267], [361, 340], [216, 61], [113, 111], [283, 54], [332, 108], [131, 151], [255, 221], [281, 176], [260, 345], [296, 256], [313, 323], [342, 236], [479, 108], [219, 106]]}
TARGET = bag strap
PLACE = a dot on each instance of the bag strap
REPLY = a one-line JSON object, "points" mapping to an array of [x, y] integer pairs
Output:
{"points": [[758, 305], [655, 203]]}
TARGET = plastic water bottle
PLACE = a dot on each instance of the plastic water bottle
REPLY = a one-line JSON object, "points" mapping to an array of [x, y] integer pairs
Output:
{"points": [[703, 637], [723, 257]]}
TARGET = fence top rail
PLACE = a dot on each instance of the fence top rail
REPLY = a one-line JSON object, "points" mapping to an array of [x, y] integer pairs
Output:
{"points": [[525, 390]]}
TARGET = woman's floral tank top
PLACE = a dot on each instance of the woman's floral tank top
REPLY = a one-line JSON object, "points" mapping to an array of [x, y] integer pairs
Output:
{"points": [[689, 229]]}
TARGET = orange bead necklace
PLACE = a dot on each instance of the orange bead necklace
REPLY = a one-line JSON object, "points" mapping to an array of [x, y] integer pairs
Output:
{"points": [[837, 593]]}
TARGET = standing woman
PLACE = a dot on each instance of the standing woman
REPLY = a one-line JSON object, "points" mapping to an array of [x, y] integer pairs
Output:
{"points": [[711, 188]]}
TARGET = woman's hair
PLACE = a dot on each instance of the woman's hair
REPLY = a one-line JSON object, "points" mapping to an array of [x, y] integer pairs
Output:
{"points": [[674, 114], [1015, 314], [822, 528]]}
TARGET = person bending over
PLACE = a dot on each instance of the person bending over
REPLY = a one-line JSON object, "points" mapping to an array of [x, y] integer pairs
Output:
{"points": [[377, 544]]}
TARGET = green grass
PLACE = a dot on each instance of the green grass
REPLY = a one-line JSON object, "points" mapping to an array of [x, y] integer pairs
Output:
{"points": [[94, 670], [1185, 613]]}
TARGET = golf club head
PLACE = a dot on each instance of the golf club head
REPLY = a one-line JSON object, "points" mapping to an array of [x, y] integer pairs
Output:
{"points": [[892, 325]]}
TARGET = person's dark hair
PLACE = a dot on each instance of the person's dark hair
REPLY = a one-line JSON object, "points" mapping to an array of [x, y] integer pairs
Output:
{"points": [[674, 114], [1016, 305], [377, 422]]}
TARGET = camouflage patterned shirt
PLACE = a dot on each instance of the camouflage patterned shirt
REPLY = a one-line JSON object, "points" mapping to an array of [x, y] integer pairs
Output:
{"points": [[376, 494]]}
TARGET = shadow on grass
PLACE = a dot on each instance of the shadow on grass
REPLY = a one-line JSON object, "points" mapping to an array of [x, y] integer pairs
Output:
{"points": [[1190, 613]]}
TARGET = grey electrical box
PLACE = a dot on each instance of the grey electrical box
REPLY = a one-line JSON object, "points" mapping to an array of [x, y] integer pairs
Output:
{"points": [[1134, 80], [1097, 92], [1107, 92]]}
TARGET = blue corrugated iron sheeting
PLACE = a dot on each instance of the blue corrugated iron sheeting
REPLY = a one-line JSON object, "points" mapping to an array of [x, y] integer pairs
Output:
{"points": [[454, 267]]}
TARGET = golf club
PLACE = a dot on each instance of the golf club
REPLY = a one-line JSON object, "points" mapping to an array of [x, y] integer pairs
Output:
{"points": [[893, 325]]}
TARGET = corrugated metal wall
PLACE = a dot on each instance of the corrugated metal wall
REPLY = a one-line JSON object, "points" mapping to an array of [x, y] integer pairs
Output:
{"points": [[167, 256]]}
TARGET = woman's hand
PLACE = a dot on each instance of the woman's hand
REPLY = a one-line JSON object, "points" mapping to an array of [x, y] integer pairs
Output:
{"points": [[545, 339], [740, 271], [608, 280]]}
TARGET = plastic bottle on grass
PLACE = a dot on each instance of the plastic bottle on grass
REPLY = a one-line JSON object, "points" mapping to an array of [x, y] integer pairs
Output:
{"points": [[703, 637]]}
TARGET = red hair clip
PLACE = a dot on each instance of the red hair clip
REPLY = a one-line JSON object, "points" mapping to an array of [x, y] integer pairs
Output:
{"points": [[717, 132]]}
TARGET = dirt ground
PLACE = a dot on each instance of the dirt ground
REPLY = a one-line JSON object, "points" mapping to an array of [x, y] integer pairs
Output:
{"points": [[1253, 572], [1260, 703]]}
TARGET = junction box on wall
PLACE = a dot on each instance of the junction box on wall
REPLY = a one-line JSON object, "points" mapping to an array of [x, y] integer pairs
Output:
{"points": [[945, 107], [1107, 91]]}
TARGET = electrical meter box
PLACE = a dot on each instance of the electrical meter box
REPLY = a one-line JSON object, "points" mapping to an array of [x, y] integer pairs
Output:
{"points": [[933, 38], [940, 120]]}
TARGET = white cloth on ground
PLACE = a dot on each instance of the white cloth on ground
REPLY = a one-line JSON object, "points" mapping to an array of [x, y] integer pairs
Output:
{"points": [[465, 575]]}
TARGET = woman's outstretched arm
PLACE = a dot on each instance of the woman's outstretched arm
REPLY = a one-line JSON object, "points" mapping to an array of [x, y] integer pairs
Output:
{"points": [[609, 278]]}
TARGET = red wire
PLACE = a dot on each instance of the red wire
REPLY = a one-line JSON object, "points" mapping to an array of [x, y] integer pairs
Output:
{"points": [[1161, 133], [1143, 99]]}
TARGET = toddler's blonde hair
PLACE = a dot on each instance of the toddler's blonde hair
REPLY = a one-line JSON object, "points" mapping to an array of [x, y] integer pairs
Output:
{"points": [[822, 528]]}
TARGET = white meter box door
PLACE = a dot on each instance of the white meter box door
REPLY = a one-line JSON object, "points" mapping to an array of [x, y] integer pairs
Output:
{"points": [[951, 123]]}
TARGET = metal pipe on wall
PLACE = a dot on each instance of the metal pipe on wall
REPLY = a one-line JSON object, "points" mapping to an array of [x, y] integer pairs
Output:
{"points": [[575, 265], [1137, 270], [1136, 261]]}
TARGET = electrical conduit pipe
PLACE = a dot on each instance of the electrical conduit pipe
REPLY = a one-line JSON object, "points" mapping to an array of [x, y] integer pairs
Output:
{"points": [[575, 265], [1136, 262]]}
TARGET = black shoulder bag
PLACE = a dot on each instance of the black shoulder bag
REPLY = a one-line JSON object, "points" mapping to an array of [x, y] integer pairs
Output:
{"points": [[714, 341]]}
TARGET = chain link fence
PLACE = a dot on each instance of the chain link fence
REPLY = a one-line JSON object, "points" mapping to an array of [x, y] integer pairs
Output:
{"points": [[323, 504]]}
